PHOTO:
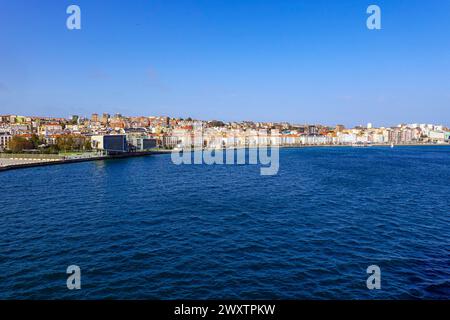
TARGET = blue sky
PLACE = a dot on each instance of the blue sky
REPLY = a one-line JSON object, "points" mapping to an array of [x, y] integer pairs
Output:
{"points": [[301, 61]]}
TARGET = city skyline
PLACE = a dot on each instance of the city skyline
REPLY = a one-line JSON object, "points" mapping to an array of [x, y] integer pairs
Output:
{"points": [[188, 118], [296, 61]]}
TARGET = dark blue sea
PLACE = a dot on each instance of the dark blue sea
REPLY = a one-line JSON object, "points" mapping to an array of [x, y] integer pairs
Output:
{"points": [[145, 228]]}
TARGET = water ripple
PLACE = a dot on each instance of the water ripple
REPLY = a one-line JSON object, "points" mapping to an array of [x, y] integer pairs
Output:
{"points": [[147, 229]]}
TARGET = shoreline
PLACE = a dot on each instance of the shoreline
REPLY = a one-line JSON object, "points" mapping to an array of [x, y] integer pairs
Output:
{"points": [[160, 152], [70, 161]]}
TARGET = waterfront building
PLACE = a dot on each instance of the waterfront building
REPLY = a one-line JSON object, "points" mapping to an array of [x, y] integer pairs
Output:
{"points": [[290, 139], [139, 140], [438, 136], [315, 139], [406, 136], [5, 138], [110, 143], [447, 136], [346, 138], [377, 138], [141, 143], [169, 141]]}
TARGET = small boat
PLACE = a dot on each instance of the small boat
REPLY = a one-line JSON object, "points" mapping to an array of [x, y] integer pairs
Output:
{"points": [[392, 145]]}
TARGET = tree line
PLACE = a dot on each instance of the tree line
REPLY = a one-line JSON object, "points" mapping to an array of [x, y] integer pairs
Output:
{"points": [[66, 143]]}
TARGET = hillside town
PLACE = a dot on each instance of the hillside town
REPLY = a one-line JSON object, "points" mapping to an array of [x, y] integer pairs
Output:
{"points": [[118, 133]]}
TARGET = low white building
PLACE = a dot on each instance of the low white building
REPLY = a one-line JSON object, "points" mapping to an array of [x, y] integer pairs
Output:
{"points": [[437, 136], [5, 138], [346, 138], [315, 139]]}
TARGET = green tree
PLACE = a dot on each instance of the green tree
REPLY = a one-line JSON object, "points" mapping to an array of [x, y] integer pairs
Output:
{"points": [[87, 145], [36, 141], [216, 123], [72, 143], [18, 144]]}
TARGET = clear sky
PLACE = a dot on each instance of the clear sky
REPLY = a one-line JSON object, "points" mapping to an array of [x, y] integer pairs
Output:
{"points": [[303, 61]]}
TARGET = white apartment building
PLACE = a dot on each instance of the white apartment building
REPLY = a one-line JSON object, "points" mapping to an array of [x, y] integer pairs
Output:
{"points": [[5, 138], [437, 136]]}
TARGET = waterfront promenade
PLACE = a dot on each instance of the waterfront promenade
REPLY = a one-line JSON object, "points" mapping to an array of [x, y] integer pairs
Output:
{"points": [[9, 162], [13, 160], [16, 162]]}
